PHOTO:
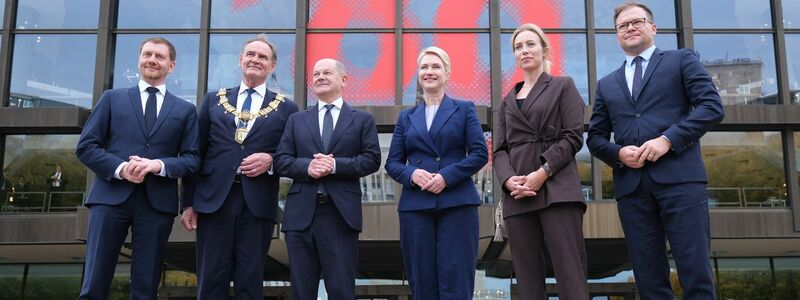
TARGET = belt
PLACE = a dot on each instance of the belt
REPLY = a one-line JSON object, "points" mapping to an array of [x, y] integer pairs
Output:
{"points": [[237, 178], [323, 199]]}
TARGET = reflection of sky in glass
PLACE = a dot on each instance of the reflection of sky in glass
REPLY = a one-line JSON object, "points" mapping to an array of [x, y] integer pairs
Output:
{"points": [[791, 14], [253, 13], [793, 60], [446, 13], [368, 59], [53, 70], [545, 13], [2, 15], [610, 56], [739, 50], [663, 12], [183, 80], [731, 14], [223, 62], [57, 14], [469, 57], [568, 55], [158, 14], [351, 14]]}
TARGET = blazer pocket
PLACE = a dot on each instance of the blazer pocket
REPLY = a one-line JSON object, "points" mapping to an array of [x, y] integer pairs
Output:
{"points": [[294, 189]]}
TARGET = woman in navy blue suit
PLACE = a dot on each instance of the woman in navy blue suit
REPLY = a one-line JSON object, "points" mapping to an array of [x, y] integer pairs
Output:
{"points": [[436, 148]]}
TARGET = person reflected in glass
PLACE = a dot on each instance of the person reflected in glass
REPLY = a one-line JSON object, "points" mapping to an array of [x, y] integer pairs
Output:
{"points": [[436, 147], [539, 130]]}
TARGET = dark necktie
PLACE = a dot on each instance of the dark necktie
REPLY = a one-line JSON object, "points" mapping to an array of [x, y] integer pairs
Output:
{"points": [[246, 106], [150, 109], [637, 78], [327, 127]]}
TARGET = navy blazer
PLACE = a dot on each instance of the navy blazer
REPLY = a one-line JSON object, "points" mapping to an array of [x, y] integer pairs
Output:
{"points": [[677, 100], [354, 145], [115, 130], [221, 155], [454, 147]]}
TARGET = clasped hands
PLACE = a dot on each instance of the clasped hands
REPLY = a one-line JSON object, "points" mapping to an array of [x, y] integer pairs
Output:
{"points": [[635, 157], [138, 167], [256, 164], [321, 165], [522, 186], [431, 182]]}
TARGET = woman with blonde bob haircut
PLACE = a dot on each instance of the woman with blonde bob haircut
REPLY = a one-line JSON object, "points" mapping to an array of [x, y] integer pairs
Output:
{"points": [[539, 130], [436, 148]]}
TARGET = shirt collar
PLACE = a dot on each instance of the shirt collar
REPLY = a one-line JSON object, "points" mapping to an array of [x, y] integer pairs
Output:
{"points": [[261, 89], [646, 54], [338, 103], [144, 85]]}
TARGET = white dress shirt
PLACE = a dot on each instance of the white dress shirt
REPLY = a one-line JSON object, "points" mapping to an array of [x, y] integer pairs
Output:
{"points": [[257, 99], [335, 110], [430, 113], [630, 66], [162, 90]]}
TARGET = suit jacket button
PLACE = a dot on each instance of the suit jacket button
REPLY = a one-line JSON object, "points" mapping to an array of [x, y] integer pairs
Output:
{"points": [[241, 147], [419, 161], [438, 159], [147, 145], [638, 116]]}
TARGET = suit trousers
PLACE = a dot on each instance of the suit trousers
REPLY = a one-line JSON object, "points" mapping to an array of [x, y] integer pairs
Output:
{"points": [[232, 244], [440, 249], [559, 227], [108, 228], [328, 247], [678, 212]]}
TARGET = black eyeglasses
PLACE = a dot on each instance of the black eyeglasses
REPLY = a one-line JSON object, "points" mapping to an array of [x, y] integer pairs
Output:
{"points": [[637, 23]]}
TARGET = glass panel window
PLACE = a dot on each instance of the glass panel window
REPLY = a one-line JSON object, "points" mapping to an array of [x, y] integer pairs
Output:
{"points": [[483, 179], [378, 186], [663, 12], [744, 278], [369, 62], [11, 281], [351, 14], [469, 58], [610, 56], [791, 14], [46, 282], [223, 62], [731, 14], [545, 13], [183, 80], [2, 14], [743, 70], [57, 14], [253, 13], [584, 159], [159, 14], [745, 169], [787, 275], [52, 70], [793, 64], [567, 57], [31, 178], [446, 14]]}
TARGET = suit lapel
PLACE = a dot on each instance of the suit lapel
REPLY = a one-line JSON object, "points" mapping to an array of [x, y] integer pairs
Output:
{"points": [[166, 107], [233, 96], [623, 84], [417, 120], [136, 103], [261, 120], [312, 123], [344, 120], [651, 67], [446, 109], [537, 90]]}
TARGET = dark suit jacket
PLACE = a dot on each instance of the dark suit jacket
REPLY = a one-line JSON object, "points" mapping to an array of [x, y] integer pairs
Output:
{"points": [[222, 155], [115, 131], [354, 145], [677, 100], [548, 128], [454, 147]]}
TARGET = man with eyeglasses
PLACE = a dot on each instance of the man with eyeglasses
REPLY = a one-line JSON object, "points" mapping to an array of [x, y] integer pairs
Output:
{"points": [[658, 104]]}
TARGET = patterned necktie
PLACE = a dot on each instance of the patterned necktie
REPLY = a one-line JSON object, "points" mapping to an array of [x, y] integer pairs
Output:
{"points": [[327, 127], [637, 78], [246, 107], [150, 110]]}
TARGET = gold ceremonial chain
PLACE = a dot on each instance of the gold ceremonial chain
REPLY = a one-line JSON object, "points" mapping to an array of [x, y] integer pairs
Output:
{"points": [[247, 116]]}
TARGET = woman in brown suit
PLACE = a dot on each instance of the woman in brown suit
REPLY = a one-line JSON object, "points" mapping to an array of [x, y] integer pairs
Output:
{"points": [[538, 132]]}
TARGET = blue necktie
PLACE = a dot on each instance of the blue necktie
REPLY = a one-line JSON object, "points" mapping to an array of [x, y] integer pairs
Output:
{"points": [[150, 110], [327, 127], [637, 78], [246, 106]]}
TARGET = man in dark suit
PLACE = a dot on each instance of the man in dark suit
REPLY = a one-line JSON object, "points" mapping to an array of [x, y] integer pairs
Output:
{"points": [[137, 141], [323, 208], [233, 201], [658, 105]]}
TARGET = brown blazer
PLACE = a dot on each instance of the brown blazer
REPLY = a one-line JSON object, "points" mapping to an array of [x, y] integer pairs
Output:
{"points": [[548, 128]]}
